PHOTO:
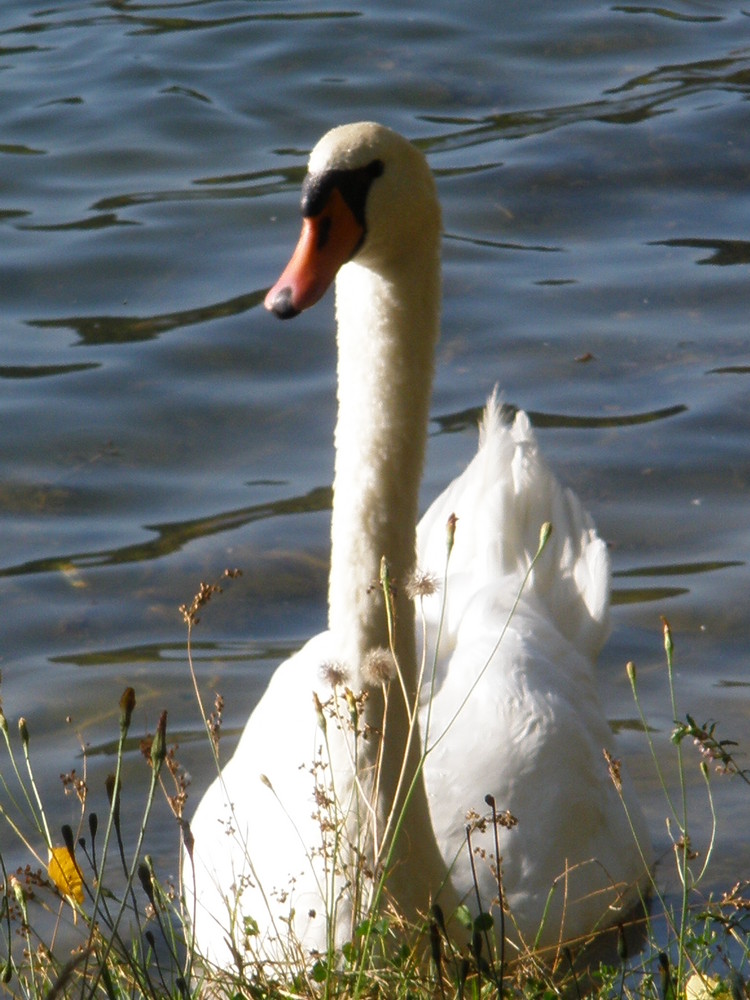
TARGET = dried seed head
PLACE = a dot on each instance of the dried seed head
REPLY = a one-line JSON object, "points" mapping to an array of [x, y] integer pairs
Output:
{"points": [[668, 642], [544, 532], [205, 593], [144, 875], [319, 712], [614, 769], [159, 743], [437, 913], [127, 704], [421, 584], [622, 943], [450, 532], [187, 838], [351, 703], [20, 894], [378, 667], [334, 673], [67, 835], [436, 945], [506, 819], [214, 720]]}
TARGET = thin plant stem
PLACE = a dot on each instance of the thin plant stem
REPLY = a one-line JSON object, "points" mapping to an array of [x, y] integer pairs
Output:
{"points": [[157, 759], [489, 799], [449, 541], [127, 705], [27, 758], [714, 824], [682, 850], [21, 784], [544, 534]]}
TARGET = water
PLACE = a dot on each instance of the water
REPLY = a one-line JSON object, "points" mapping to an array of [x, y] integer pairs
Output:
{"points": [[158, 426]]}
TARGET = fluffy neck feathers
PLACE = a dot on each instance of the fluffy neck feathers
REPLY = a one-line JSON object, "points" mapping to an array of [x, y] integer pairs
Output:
{"points": [[387, 329]]}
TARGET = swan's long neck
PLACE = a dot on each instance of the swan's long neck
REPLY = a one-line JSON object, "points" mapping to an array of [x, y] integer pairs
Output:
{"points": [[387, 330]]}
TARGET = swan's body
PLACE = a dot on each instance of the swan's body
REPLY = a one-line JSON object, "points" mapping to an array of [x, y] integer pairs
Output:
{"points": [[519, 719]]}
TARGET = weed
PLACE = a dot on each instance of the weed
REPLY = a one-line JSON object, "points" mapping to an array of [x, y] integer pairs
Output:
{"points": [[87, 915]]}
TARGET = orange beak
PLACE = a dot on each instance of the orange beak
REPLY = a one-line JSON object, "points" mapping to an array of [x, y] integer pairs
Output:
{"points": [[328, 240]]}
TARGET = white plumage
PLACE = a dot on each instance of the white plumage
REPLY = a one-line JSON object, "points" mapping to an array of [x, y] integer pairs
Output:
{"points": [[512, 708]]}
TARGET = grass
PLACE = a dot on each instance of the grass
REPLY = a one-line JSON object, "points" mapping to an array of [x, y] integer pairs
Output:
{"points": [[87, 916]]}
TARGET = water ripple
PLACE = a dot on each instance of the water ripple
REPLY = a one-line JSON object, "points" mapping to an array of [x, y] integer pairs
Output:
{"points": [[130, 329], [171, 537]]}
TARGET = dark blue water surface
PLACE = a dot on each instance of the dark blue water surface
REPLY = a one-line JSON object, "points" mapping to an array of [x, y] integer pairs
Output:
{"points": [[157, 426]]}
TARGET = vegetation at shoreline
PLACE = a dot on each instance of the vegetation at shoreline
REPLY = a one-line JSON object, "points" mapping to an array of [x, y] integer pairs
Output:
{"points": [[88, 916]]}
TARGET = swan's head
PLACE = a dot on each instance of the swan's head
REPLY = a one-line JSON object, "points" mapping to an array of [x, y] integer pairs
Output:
{"points": [[368, 196]]}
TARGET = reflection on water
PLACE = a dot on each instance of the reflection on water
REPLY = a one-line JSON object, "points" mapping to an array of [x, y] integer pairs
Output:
{"points": [[452, 422], [160, 427], [125, 329], [42, 371], [725, 252], [174, 537], [666, 86]]}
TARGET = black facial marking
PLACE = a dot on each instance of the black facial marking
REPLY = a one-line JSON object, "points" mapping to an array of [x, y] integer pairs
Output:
{"points": [[323, 233], [353, 186]]}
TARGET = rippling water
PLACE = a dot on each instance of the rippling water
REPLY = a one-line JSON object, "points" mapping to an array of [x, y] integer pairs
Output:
{"points": [[158, 425]]}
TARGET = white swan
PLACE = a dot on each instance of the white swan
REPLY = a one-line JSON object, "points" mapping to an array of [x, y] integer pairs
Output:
{"points": [[512, 710]]}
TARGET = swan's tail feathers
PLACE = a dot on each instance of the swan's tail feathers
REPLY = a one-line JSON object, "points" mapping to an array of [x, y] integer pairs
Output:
{"points": [[572, 575], [502, 500]]}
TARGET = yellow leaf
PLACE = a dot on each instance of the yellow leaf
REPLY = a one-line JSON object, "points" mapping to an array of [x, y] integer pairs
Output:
{"points": [[65, 873]]}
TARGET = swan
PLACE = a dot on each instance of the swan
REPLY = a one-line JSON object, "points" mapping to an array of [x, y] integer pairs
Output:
{"points": [[493, 679]]}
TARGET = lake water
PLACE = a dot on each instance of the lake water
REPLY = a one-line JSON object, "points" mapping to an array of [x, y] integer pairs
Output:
{"points": [[158, 425]]}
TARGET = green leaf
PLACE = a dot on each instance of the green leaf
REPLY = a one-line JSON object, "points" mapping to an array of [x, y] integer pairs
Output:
{"points": [[319, 972], [484, 922]]}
